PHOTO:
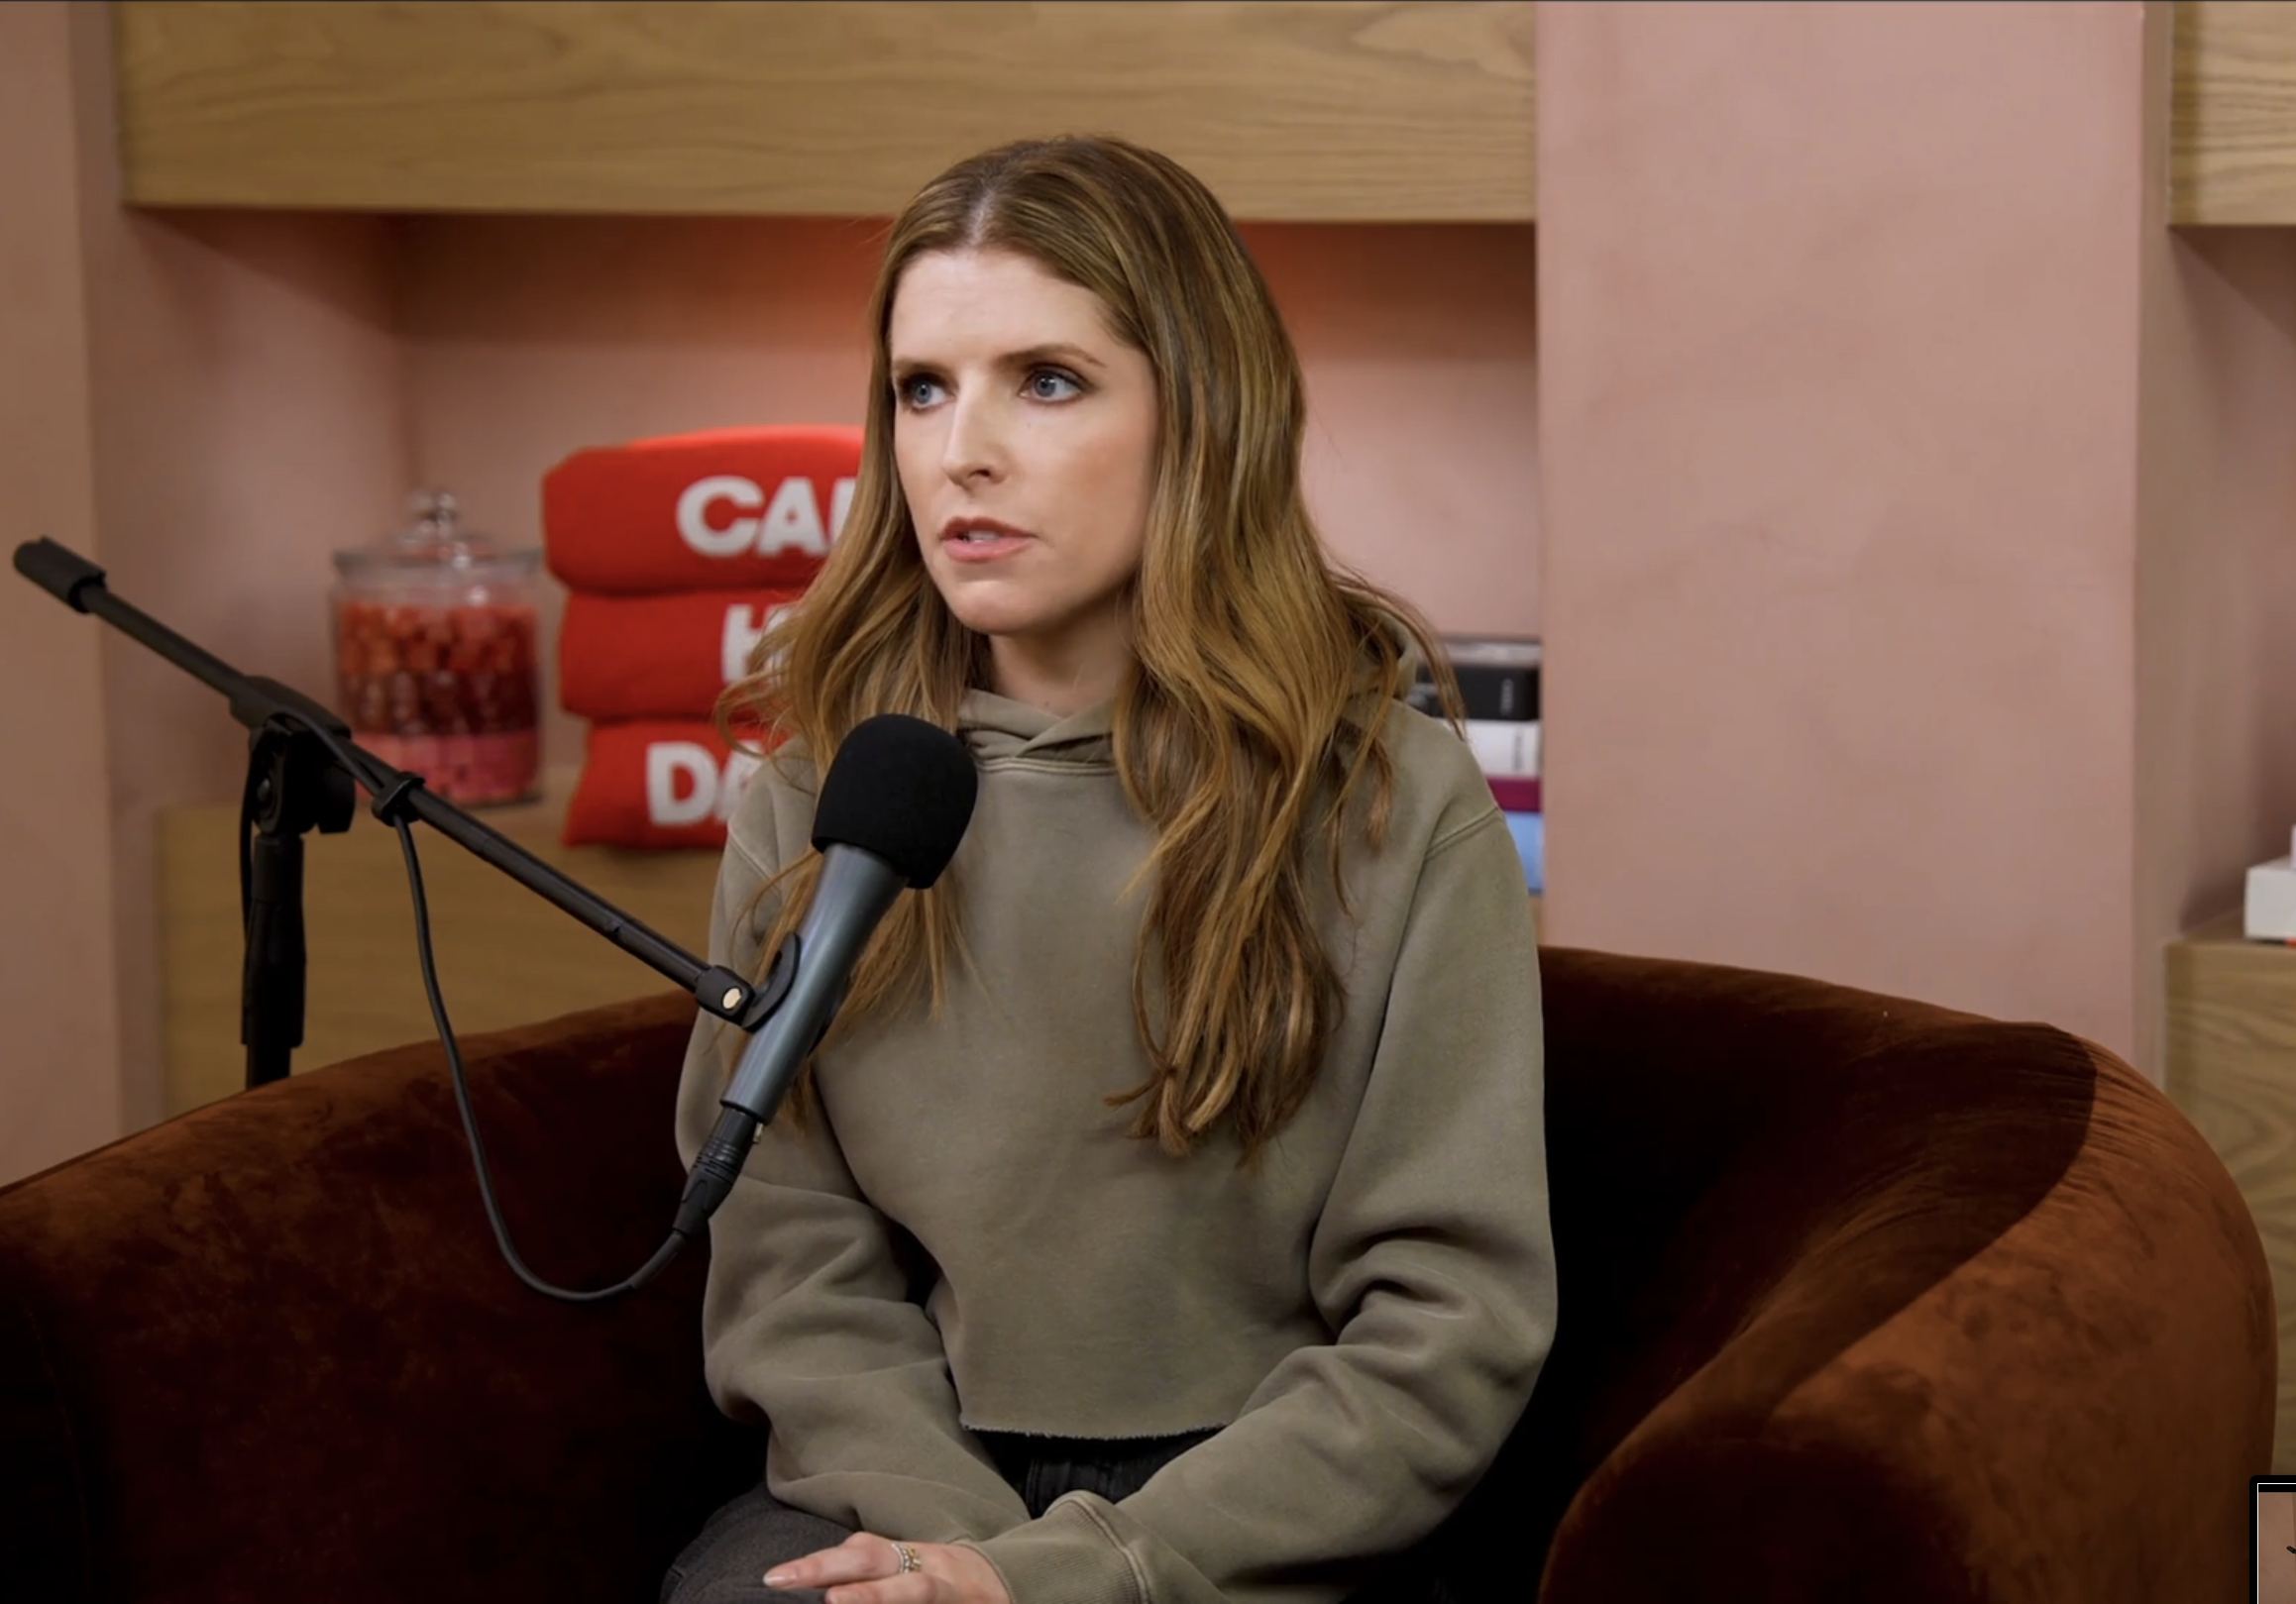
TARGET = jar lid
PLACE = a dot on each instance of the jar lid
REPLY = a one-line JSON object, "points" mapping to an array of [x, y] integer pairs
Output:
{"points": [[435, 545]]}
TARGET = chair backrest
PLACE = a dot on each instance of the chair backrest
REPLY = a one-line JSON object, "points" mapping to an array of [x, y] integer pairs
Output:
{"points": [[1710, 1129]]}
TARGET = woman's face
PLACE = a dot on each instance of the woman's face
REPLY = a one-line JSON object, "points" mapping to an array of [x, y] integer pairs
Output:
{"points": [[1025, 434]]}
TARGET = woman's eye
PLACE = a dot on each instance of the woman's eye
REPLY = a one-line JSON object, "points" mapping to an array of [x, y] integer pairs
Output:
{"points": [[1052, 385], [917, 391]]}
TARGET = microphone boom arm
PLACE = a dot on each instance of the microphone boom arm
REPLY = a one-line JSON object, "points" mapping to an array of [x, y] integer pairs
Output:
{"points": [[272, 710], [303, 766]]}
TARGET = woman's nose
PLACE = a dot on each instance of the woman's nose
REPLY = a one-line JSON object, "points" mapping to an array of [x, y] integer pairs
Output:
{"points": [[974, 449]]}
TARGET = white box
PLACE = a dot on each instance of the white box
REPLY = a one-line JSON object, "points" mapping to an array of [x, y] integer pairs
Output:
{"points": [[2270, 914], [1505, 747]]}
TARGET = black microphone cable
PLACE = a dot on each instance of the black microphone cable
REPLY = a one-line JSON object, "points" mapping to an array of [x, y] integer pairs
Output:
{"points": [[388, 787], [80, 586]]}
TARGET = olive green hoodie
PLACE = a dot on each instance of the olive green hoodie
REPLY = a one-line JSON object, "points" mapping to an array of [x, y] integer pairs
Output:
{"points": [[967, 1238]]}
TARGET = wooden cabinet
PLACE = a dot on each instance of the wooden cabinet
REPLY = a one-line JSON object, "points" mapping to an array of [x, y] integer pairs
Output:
{"points": [[1300, 110], [1292, 110], [2229, 1064], [2233, 116]]}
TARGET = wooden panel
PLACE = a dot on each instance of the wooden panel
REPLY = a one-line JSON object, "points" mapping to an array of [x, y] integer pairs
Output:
{"points": [[1290, 109], [504, 956], [2232, 118], [2230, 1066]]}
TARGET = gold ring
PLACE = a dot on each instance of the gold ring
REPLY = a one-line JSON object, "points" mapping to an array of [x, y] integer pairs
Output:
{"points": [[907, 1558]]}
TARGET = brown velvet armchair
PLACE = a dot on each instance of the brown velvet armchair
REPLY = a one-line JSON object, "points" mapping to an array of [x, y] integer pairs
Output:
{"points": [[1861, 1300]]}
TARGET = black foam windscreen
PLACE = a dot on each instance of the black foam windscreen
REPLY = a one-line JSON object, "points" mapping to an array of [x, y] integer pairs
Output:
{"points": [[902, 789]]}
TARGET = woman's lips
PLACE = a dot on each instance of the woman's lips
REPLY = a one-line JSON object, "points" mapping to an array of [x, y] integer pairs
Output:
{"points": [[981, 542]]}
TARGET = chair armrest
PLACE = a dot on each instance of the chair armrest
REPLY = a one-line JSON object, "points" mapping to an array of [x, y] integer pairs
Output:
{"points": [[269, 1349], [2071, 1412]]}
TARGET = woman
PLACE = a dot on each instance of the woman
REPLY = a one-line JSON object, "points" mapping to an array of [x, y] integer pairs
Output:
{"points": [[1164, 1216]]}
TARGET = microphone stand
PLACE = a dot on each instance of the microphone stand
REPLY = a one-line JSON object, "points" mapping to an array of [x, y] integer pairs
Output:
{"points": [[303, 768]]}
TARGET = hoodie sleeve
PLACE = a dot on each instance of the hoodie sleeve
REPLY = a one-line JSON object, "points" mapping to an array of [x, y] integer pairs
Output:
{"points": [[807, 1320], [1432, 1262]]}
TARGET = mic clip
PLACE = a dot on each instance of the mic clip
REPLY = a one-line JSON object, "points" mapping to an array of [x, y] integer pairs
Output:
{"points": [[725, 993], [738, 1129]]}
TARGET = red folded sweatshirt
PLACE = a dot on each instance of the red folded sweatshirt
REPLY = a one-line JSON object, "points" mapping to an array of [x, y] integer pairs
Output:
{"points": [[656, 783], [661, 656], [718, 508]]}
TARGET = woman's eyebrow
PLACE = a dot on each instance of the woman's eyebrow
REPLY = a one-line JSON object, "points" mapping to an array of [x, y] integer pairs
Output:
{"points": [[1059, 351]]}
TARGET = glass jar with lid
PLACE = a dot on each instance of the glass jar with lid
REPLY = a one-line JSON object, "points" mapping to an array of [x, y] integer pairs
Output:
{"points": [[436, 650]]}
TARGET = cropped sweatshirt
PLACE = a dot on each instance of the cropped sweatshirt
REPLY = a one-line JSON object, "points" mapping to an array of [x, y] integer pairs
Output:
{"points": [[966, 1237]]}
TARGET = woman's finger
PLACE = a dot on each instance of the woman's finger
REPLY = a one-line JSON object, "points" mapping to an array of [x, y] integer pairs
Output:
{"points": [[861, 1558]]}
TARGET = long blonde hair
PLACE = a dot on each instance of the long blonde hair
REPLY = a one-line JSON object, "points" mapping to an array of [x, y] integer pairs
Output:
{"points": [[1248, 728]]}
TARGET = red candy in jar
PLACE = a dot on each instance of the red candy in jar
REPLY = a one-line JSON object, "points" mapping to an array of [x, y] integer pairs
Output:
{"points": [[437, 656]]}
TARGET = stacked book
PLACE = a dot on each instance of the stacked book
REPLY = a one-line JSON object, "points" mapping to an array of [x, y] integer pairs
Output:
{"points": [[1498, 683], [677, 554]]}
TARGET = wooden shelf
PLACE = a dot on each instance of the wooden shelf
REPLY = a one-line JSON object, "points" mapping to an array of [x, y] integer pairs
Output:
{"points": [[1289, 109], [2232, 118], [2230, 1066]]}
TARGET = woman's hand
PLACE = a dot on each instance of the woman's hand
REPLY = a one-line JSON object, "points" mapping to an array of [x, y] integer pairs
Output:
{"points": [[868, 1569]]}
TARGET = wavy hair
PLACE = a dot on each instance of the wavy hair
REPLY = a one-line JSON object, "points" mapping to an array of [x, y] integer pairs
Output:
{"points": [[1248, 732]]}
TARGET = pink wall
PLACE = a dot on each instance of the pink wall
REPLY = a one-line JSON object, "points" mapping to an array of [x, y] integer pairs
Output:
{"points": [[59, 1077], [248, 400], [199, 400], [1839, 410], [528, 337], [1421, 352]]}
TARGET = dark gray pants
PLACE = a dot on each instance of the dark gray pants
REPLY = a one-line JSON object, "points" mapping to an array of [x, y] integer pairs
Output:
{"points": [[727, 1563]]}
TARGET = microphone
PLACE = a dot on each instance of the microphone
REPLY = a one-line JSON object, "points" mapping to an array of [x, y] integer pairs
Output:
{"points": [[894, 806]]}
